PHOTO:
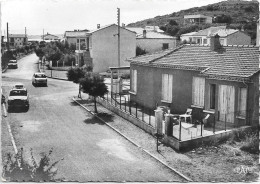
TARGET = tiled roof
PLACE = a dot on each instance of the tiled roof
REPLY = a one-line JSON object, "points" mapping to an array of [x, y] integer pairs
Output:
{"points": [[221, 31], [189, 34], [106, 26], [230, 63], [17, 35], [149, 33], [155, 35]]}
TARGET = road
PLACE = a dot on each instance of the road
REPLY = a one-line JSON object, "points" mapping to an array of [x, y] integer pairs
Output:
{"points": [[91, 150]]}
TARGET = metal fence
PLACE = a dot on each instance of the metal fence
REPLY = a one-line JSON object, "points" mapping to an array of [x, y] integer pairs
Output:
{"points": [[122, 102]]}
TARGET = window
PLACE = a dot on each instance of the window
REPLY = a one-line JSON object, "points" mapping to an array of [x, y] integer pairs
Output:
{"points": [[204, 41], [198, 88], [212, 99], [165, 46], [134, 81], [198, 41], [167, 87], [190, 39], [242, 101]]}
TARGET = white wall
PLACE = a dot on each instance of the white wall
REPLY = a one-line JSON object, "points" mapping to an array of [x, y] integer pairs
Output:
{"points": [[154, 45], [104, 48]]}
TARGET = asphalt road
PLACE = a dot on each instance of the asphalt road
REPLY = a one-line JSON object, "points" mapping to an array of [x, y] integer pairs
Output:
{"points": [[91, 151]]}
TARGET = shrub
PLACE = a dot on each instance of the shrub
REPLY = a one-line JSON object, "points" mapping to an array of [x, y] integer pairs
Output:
{"points": [[140, 51], [251, 143], [17, 169]]}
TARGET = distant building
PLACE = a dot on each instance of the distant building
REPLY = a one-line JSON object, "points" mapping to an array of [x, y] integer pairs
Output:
{"points": [[17, 40], [77, 37], [50, 37], [227, 36], [151, 40], [197, 19]]}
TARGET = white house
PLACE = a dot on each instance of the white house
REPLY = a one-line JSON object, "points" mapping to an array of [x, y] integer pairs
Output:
{"points": [[99, 48], [197, 19], [152, 41], [227, 36]]}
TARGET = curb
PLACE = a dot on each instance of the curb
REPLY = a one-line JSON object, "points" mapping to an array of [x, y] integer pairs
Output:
{"points": [[4, 108], [57, 78], [147, 152]]}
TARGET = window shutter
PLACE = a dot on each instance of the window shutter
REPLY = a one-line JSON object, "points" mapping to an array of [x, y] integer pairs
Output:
{"points": [[170, 88]]}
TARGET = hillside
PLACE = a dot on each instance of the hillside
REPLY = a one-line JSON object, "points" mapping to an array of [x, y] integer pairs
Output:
{"points": [[233, 14]]}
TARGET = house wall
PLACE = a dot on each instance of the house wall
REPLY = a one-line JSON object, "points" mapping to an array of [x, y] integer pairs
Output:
{"points": [[253, 100], [257, 34], [149, 87], [72, 40], [153, 45], [17, 41], [104, 48], [238, 38]]}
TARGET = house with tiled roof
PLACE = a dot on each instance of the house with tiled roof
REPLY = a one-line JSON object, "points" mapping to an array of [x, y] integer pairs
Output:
{"points": [[152, 40], [50, 37], [220, 80], [77, 37], [227, 36], [99, 47], [17, 40]]}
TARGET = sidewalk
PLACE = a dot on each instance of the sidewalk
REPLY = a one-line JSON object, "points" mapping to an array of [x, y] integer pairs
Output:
{"points": [[140, 138]]}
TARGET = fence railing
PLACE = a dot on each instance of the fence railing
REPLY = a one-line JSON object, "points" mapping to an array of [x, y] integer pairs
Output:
{"points": [[122, 102]]}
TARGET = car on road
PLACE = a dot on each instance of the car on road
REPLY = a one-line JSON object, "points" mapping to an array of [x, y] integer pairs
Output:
{"points": [[18, 98], [12, 63], [19, 86], [39, 79]]}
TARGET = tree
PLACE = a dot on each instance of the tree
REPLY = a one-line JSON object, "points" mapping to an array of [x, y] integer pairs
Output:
{"points": [[93, 84], [173, 23], [74, 75], [140, 51]]}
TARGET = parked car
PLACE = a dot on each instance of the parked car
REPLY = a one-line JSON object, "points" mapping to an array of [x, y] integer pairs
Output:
{"points": [[39, 78], [18, 98], [19, 86], [12, 64]]}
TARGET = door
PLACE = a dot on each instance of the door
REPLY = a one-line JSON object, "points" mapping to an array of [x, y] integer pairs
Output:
{"points": [[226, 103]]}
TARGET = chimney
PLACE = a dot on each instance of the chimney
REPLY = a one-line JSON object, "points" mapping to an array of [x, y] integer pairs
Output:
{"points": [[144, 33], [215, 43], [98, 26]]}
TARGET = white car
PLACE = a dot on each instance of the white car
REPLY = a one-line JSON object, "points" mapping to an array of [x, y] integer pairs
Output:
{"points": [[12, 64], [18, 86], [39, 78], [18, 98]]}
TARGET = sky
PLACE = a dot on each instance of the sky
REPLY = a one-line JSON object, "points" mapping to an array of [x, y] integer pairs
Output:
{"points": [[58, 16]]}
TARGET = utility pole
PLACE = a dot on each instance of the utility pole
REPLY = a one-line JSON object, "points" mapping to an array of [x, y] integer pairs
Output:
{"points": [[8, 46], [118, 23], [43, 35], [25, 41]]}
